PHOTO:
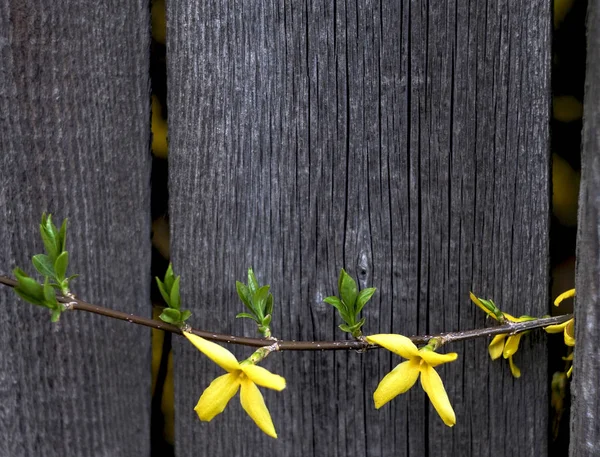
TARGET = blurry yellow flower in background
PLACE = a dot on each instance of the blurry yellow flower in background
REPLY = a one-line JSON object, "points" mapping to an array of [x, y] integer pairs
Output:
{"points": [[216, 396], [403, 377]]}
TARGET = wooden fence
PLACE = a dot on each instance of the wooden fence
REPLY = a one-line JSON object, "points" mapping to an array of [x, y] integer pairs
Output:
{"points": [[405, 141]]}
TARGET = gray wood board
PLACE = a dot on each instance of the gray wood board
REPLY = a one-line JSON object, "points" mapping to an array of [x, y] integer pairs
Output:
{"points": [[406, 142], [585, 406], [74, 104]]}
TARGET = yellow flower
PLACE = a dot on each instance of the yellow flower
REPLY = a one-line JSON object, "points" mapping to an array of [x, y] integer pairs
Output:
{"points": [[506, 346], [567, 327], [403, 377], [503, 344], [216, 396], [568, 294]]}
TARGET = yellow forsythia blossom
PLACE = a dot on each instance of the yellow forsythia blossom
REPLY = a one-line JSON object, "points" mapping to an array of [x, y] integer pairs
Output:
{"points": [[567, 327], [403, 377], [504, 345], [245, 375]]}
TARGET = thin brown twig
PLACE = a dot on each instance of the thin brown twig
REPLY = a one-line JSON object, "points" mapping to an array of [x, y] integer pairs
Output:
{"points": [[283, 345]]}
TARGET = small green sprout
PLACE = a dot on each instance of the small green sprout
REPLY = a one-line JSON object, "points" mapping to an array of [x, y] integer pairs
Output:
{"points": [[41, 295], [350, 303], [53, 265], [169, 289], [259, 302]]}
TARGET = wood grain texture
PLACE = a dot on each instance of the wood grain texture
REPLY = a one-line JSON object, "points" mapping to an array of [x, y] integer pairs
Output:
{"points": [[585, 406], [404, 141], [74, 107]]}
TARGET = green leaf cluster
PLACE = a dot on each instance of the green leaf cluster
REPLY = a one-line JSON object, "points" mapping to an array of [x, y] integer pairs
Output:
{"points": [[42, 295], [350, 303], [258, 301], [53, 264], [169, 289], [492, 309]]}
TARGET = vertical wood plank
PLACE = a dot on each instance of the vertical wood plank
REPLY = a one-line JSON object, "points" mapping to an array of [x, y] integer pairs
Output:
{"points": [[405, 141], [585, 409], [75, 142]]}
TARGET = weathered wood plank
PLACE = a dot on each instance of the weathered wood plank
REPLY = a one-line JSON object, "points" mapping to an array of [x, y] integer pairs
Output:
{"points": [[74, 119], [585, 409], [405, 141]]}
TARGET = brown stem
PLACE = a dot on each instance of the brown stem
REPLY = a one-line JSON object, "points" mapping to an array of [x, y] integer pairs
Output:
{"points": [[358, 345]]}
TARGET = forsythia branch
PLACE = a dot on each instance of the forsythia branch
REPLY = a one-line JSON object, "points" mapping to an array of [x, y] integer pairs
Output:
{"points": [[282, 345]]}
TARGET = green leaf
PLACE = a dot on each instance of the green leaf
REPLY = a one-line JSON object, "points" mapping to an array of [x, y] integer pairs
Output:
{"points": [[363, 297], [19, 274], [185, 315], [269, 305], [170, 316], [60, 265], [252, 282], [175, 299], [49, 237], [169, 278], [247, 315], [345, 328], [62, 236], [28, 288], [339, 305], [49, 294], [355, 329], [163, 291], [267, 320], [72, 277], [358, 325], [242, 292], [259, 300], [30, 298], [43, 264], [491, 306], [348, 291]]}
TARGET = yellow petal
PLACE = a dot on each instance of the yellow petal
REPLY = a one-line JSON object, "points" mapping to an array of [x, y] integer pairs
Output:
{"points": [[433, 386], [496, 347], [434, 359], [570, 372], [398, 344], [264, 377], [557, 328], [396, 382], [513, 368], [570, 333], [512, 344], [564, 296], [569, 357], [512, 318], [216, 396], [214, 352], [254, 404]]}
